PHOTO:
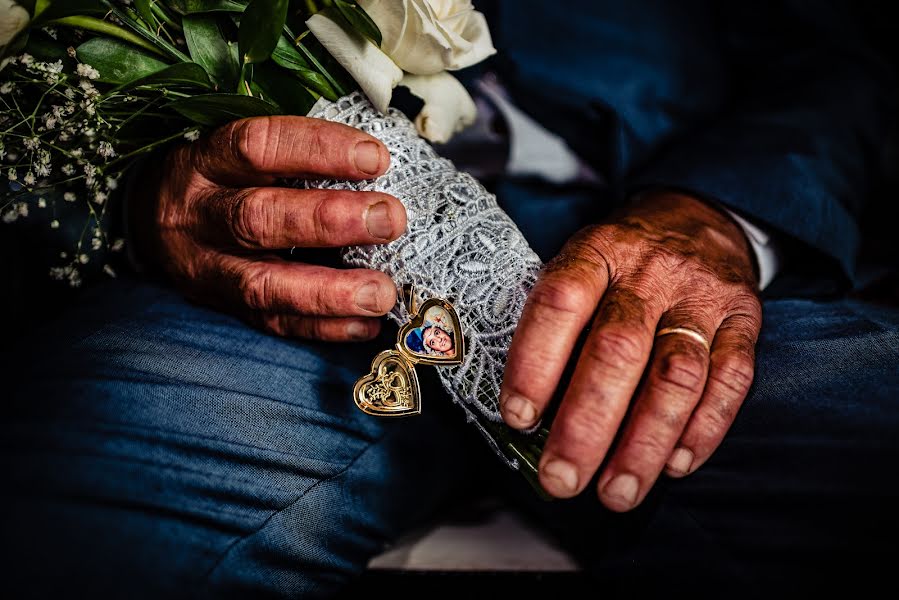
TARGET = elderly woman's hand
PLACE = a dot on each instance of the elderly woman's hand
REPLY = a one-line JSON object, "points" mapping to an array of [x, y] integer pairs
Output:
{"points": [[670, 287], [210, 218]]}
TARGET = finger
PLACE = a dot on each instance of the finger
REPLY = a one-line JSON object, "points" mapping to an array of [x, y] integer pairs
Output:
{"points": [[730, 377], [607, 372], [328, 329], [263, 148], [270, 284], [557, 310], [669, 392], [271, 217]]}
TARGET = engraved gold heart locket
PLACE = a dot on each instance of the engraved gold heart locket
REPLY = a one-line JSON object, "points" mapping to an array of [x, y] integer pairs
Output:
{"points": [[433, 336]]}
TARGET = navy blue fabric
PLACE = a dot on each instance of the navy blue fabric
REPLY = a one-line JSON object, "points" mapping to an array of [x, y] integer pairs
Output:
{"points": [[154, 448], [777, 110]]}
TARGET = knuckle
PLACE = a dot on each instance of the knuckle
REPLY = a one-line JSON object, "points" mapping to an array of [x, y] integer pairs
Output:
{"points": [[647, 446], [581, 435], [681, 372], [720, 414], [615, 349], [315, 142], [251, 223], [256, 288], [561, 295], [325, 221], [239, 136], [734, 373]]}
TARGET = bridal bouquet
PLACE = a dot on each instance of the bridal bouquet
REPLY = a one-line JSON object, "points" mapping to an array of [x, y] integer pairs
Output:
{"points": [[88, 86]]}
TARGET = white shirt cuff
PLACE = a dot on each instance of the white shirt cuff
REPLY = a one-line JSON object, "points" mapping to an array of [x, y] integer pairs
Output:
{"points": [[766, 252]]}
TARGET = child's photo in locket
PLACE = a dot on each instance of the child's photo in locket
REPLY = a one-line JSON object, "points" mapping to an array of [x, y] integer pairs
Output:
{"points": [[435, 337]]}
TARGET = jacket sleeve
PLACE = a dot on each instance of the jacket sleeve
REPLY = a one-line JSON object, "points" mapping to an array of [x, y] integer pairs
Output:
{"points": [[798, 143]]}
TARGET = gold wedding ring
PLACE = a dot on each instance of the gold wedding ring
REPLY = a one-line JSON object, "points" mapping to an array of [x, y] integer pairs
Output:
{"points": [[688, 332]]}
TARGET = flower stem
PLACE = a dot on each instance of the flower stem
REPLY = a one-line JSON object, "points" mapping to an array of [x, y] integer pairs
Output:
{"points": [[106, 28]]}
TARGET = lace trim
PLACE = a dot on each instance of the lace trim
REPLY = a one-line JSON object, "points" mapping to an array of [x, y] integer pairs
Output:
{"points": [[459, 245]]}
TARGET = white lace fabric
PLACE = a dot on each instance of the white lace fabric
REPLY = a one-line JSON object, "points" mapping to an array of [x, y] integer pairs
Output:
{"points": [[459, 245]]}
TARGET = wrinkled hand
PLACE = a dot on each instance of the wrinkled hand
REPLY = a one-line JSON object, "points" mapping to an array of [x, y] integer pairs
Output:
{"points": [[213, 220], [668, 261]]}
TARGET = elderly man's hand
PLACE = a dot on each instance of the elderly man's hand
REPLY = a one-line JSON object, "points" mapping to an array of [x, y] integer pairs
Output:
{"points": [[666, 401], [210, 218]]}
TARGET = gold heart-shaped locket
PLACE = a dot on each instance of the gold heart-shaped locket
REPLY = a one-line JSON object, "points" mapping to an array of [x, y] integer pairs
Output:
{"points": [[433, 336], [390, 389]]}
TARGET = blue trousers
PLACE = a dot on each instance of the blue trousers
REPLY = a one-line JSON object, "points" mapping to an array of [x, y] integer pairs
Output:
{"points": [[155, 448]]}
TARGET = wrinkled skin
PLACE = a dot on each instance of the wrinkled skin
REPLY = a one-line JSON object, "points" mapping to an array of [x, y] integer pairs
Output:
{"points": [[211, 218], [215, 219], [667, 260]]}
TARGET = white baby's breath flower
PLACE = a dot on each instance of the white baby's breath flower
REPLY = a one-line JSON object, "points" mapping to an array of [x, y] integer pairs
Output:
{"points": [[109, 271], [96, 243], [41, 203], [31, 143], [117, 245], [84, 259], [26, 60], [192, 136], [22, 209], [85, 70], [100, 197], [112, 183], [28, 179], [68, 169], [69, 197], [10, 216], [12, 174], [106, 150], [6, 87], [54, 224]]}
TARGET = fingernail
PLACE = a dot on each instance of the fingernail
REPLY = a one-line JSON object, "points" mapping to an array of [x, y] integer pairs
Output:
{"points": [[377, 220], [368, 158], [367, 297], [559, 477], [681, 460], [623, 489], [357, 330], [519, 412]]}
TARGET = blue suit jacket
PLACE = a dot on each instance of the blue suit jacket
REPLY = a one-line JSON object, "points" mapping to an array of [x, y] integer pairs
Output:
{"points": [[778, 112]]}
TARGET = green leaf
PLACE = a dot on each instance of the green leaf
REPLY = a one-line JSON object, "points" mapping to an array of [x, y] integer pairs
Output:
{"points": [[58, 9], [209, 48], [284, 89], [181, 74], [218, 109], [118, 63], [146, 13], [359, 20], [288, 57], [188, 7], [260, 28], [146, 34]]}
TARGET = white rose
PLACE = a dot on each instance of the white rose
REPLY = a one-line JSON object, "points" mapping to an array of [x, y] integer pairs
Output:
{"points": [[13, 19], [425, 37]]}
